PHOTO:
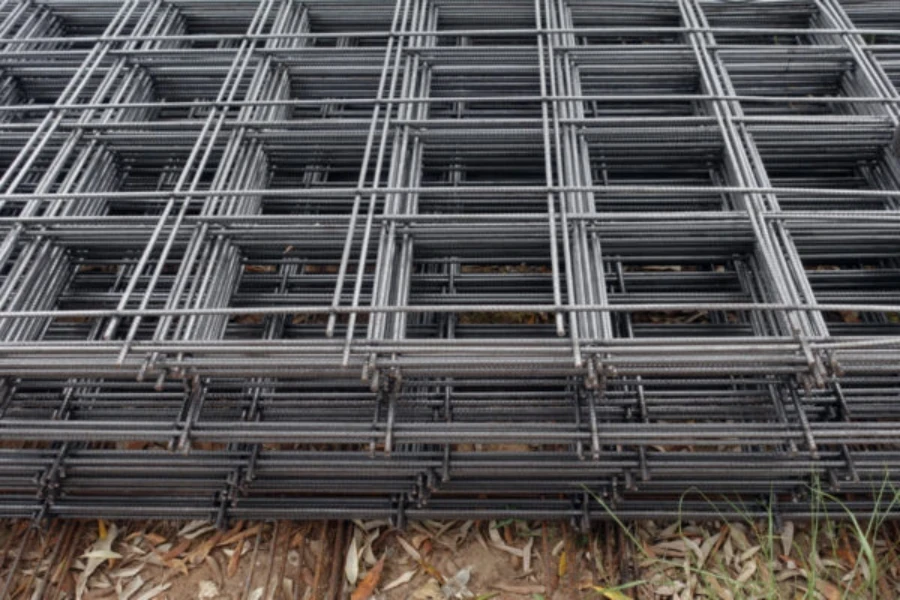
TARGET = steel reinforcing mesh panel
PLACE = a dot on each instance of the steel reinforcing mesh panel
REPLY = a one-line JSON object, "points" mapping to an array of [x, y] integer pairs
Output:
{"points": [[431, 258]]}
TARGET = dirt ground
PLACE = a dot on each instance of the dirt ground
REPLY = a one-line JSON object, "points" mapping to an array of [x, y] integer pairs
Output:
{"points": [[447, 560]]}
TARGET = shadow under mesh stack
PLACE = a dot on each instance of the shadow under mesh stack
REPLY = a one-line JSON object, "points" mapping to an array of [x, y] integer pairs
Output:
{"points": [[448, 258]]}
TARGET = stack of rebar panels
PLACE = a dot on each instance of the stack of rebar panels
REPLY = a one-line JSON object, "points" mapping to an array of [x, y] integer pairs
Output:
{"points": [[443, 258]]}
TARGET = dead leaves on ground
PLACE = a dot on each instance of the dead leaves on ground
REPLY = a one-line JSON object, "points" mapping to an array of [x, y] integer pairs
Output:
{"points": [[143, 564], [367, 586], [470, 560], [751, 560]]}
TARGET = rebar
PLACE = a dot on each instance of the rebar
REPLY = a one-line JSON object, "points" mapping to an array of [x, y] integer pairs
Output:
{"points": [[448, 258]]}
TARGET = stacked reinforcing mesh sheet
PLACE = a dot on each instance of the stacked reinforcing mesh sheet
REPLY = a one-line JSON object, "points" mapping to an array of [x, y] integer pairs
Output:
{"points": [[444, 258]]}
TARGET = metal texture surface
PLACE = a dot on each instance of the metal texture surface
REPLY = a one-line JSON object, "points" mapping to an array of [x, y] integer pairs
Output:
{"points": [[435, 258]]}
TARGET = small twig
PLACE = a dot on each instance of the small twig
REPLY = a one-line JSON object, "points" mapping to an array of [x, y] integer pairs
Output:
{"points": [[33, 575], [335, 581], [271, 560], [547, 559], [248, 582], [69, 554], [26, 539], [301, 562], [320, 562], [282, 563]]}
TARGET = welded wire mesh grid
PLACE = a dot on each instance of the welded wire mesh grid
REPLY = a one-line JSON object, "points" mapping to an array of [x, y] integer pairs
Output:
{"points": [[417, 258]]}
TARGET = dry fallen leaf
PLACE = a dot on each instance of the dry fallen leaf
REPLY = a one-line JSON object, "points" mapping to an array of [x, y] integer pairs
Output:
{"points": [[736, 533], [191, 527], [129, 572], [673, 549], [787, 537], [177, 564], [100, 551], [723, 593], [131, 589], [193, 535], [829, 590], [707, 547], [671, 531], [456, 586], [176, 551], [154, 538], [366, 587], [242, 535], [351, 562], [401, 580], [519, 589], [234, 560], [367, 553], [695, 548], [747, 573], [408, 548], [789, 574], [199, 554], [102, 554], [748, 554], [154, 592], [526, 555]]}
